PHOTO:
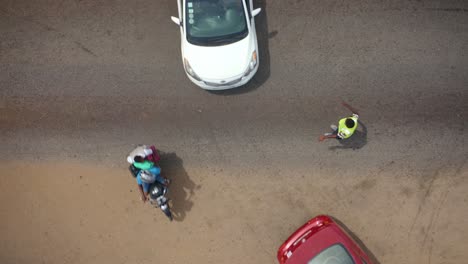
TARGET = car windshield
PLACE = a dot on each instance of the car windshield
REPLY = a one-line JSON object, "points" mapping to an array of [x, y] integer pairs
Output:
{"points": [[215, 22], [335, 254]]}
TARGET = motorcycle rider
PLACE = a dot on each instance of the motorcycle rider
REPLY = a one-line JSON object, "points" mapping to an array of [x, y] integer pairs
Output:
{"points": [[148, 173]]}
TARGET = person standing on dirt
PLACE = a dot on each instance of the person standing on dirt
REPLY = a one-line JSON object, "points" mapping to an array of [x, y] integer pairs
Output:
{"points": [[346, 126]]}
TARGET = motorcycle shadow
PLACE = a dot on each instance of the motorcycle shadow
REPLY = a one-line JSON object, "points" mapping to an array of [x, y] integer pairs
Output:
{"points": [[181, 188]]}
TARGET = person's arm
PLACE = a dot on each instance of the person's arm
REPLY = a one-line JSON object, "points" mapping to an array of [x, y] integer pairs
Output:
{"points": [[323, 137], [142, 193], [350, 108]]}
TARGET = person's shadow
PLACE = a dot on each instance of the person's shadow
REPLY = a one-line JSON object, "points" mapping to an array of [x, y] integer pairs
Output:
{"points": [[357, 240], [356, 141], [263, 36], [181, 188]]}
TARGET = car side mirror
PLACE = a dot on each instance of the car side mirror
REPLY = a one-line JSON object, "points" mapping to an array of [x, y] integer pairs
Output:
{"points": [[176, 20], [256, 12]]}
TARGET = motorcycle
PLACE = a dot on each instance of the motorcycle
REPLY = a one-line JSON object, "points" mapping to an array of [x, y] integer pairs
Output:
{"points": [[157, 191], [157, 195]]}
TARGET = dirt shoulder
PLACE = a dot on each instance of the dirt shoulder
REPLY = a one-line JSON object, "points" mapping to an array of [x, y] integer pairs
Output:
{"points": [[78, 213]]}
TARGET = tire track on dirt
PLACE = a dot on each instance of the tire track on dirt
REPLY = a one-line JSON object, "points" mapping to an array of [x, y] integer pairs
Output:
{"points": [[442, 182]]}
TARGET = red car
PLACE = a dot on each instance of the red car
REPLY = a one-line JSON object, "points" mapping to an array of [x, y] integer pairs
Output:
{"points": [[321, 241]]}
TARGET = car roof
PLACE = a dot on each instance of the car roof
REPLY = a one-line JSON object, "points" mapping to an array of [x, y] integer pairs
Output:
{"points": [[325, 238]]}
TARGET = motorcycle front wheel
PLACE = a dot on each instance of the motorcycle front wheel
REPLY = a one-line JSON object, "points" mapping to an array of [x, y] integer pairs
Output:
{"points": [[166, 211]]}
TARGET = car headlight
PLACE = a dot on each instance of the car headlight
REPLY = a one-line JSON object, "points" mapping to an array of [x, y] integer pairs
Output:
{"points": [[190, 71], [252, 63]]}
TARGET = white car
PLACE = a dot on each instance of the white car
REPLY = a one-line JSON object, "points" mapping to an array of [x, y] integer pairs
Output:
{"points": [[218, 42]]}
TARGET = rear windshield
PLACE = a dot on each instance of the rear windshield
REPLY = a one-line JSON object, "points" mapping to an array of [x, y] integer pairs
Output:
{"points": [[215, 22], [335, 254]]}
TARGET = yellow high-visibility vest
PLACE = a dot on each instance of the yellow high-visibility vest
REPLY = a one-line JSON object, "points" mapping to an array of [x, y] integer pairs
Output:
{"points": [[343, 130]]}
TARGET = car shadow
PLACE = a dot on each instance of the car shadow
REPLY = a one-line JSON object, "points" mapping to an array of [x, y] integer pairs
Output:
{"points": [[263, 36], [356, 141], [357, 240], [181, 188]]}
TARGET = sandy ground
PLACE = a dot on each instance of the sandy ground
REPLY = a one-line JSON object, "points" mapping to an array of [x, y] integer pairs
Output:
{"points": [[78, 213], [82, 82]]}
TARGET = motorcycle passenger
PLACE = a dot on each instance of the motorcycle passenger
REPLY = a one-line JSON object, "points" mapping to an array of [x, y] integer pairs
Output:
{"points": [[140, 150]]}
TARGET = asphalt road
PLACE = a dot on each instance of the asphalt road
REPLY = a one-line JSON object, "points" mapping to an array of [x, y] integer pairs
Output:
{"points": [[82, 82]]}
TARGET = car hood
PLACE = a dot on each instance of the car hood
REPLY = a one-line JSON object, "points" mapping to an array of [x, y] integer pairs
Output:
{"points": [[220, 62]]}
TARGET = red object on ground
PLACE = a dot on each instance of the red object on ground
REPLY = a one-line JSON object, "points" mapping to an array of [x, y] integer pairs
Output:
{"points": [[315, 237]]}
